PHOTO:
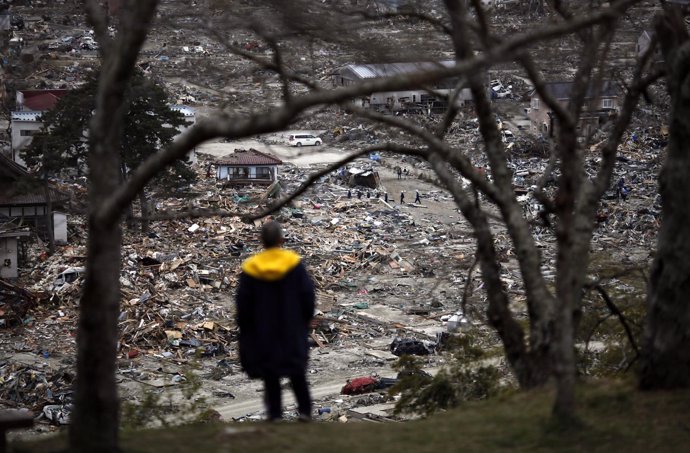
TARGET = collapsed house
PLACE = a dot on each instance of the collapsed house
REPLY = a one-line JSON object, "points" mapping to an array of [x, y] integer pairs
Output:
{"points": [[366, 177], [601, 104], [248, 166], [432, 99]]}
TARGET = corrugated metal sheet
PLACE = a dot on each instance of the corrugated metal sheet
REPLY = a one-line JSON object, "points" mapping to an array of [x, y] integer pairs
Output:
{"points": [[370, 71], [561, 90], [26, 116]]}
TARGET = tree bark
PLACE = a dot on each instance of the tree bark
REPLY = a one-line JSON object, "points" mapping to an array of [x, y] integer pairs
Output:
{"points": [[95, 421], [532, 365], [666, 348]]}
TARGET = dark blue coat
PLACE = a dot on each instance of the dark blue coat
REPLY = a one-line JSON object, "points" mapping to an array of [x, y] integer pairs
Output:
{"points": [[275, 303]]}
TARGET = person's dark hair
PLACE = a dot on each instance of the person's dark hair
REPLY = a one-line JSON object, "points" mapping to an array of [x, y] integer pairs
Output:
{"points": [[272, 234]]}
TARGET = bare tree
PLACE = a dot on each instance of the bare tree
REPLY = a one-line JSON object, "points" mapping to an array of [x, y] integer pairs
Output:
{"points": [[546, 350], [666, 352], [95, 423]]}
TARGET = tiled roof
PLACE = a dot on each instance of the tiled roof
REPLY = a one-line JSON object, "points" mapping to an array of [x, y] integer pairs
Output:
{"points": [[251, 156], [35, 198], [10, 172], [41, 100]]}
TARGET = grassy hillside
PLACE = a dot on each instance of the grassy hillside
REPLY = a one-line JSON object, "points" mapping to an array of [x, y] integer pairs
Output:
{"points": [[614, 418]]}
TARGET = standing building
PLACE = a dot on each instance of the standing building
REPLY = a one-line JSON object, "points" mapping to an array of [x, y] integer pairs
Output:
{"points": [[26, 120], [601, 103]]}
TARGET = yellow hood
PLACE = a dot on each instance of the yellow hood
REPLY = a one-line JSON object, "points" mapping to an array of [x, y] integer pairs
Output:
{"points": [[271, 264]]}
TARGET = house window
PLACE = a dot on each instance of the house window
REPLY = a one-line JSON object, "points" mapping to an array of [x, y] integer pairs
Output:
{"points": [[535, 103], [239, 172], [263, 172], [414, 98], [607, 103], [27, 132]]}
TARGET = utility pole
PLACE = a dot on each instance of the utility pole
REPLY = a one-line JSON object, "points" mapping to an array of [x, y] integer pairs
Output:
{"points": [[49, 202]]}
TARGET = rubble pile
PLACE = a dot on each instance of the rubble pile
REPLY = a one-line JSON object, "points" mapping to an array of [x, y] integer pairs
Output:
{"points": [[389, 275]]}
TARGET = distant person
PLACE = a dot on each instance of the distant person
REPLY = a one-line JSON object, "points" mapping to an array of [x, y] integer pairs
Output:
{"points": [[621, 191], [416, 197], [402, 197], [275, 304], [399, 171], [359, 194], [349, 194]]}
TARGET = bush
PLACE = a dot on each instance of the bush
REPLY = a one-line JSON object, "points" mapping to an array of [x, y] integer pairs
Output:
{"points": [[423, 394]]}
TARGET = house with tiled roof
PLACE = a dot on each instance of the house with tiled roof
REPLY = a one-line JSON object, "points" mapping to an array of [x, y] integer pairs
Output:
{"points": [[248, 166], [24, 200], [26, 121]]}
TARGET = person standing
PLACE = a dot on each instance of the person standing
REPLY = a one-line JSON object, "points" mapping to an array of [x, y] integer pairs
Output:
{"points": [[402, 197], [416, 197], [275, 304], [399, 171]]}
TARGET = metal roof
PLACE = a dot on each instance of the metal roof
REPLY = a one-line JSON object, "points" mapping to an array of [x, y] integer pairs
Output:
{"points": [[370, 71], [183, 109], [561, 90], [27, 116], [243, 157]]}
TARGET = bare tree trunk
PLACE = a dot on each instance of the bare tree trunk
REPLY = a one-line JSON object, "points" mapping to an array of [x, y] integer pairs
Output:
{"points": [[666, 352], [94, 425], [532, 365], [569, 274], [144, 204], [49, 204], [129, 217]]}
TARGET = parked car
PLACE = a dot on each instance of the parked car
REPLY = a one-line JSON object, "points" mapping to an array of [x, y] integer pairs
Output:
{"points": [[304, 140]]}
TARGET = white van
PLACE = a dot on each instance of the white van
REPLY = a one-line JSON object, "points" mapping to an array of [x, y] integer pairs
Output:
{"points": [[303, 140]]}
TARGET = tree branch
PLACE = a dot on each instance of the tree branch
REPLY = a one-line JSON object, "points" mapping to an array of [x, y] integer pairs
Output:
{"points": [[275, 119], [621, 317]]}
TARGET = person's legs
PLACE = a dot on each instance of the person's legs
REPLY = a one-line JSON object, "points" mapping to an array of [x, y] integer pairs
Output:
{"points": [[272, 397], [301, 389]]}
